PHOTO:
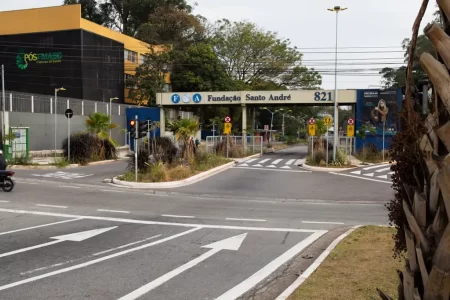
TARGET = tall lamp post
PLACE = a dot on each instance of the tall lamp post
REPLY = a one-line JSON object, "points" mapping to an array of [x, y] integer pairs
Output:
{"points": [[110, 112], [288, 111], [56, 111], [336, 9], [271, 121]]}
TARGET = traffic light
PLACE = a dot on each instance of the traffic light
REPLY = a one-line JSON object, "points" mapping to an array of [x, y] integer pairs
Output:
{"points": [[133, 128], [143, 129]]}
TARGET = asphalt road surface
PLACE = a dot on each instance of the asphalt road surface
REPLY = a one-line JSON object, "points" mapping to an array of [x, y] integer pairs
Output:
{"points": [[242, 234]]}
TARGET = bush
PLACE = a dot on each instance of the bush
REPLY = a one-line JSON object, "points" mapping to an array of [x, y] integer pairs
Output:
{"points": [[143, 160], [86, 147], [164, 151], [291, 140], [341, 159]]}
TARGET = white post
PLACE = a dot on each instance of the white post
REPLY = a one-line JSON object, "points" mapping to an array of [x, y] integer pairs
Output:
{"points": [[10, 102], [95, 105], [383, 138], [51, 105], [262, 145], [336, 111], [119, 110], [82, 108], [32, 104], [56, 114], [3, 100], [68, 139], [107, 110], [68, 104], [136, 150], [327, 145]]}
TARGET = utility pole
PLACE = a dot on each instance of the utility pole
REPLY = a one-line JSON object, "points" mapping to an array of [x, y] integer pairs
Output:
{"points": [[3, 102]]}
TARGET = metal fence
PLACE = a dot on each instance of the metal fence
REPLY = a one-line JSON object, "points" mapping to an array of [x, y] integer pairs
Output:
{"points": [[23, 102], [346, 144], [253, 144]]}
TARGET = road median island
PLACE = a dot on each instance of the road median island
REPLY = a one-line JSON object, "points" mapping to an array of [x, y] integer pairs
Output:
{"points": [[171, 176], [358, 265]]}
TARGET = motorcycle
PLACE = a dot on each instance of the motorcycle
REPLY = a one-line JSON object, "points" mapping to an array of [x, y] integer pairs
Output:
{"points": [[6, 183]]}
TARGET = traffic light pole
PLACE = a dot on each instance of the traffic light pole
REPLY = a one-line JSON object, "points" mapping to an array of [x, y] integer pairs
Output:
{"points": [[136, 123]]}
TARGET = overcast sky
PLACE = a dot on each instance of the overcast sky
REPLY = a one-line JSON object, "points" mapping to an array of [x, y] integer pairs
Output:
{"points": [[310, 27]]}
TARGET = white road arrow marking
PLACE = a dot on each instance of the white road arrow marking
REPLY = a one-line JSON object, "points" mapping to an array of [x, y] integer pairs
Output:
{"points": [[243, 165], [285, 167], [356, 172], [271, 166], [232, 243], [73, 237], [369, 174], [258, 165]]}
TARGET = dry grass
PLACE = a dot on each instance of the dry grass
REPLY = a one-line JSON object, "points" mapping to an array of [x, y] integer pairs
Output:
{"points": [[355, 268]]}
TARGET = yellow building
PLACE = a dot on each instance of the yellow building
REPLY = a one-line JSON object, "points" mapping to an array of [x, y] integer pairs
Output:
{"points": [[55, 46]]}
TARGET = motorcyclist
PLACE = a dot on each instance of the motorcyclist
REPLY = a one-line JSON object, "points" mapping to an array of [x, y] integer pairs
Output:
{"points": [[3, 163]]}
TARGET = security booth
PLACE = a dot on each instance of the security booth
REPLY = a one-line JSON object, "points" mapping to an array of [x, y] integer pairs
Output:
{"points": [[17, 145]]}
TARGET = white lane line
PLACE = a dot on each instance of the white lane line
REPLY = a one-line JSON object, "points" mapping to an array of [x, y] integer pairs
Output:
{"points": [[39, 226], [318, 222], [113, 191], [88, 263], [127, 245], [276, 161], [289, 162], [251, 160], [69, 186], [383, 170], [254, 279], [277, 170], [4, 201], [114, 211], [340, 174], [374, 167], [177, 216], [250, 220], [264, 160], [48, 205], [284, 295], [88, 256], [134, 221], [30, 248]]}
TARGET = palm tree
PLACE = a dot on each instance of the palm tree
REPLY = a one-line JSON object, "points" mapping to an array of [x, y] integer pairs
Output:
{"points": [[184, 129], [100, 123], [421, 208]]}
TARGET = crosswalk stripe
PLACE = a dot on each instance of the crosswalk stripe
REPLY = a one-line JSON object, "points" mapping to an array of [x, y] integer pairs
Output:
{"points": [[383, 170], [264, 160], [289, 162], [276, 161], [356, 172], [390, 173], [271, 166], [298, 161], [373, 167], [285, 167], [258, 165], [382, 176], [251, 160]]}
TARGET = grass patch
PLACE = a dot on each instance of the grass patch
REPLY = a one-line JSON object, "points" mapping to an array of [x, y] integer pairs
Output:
{"points": [[21, 160], [61, 162], [160, 172], [359, 264]]}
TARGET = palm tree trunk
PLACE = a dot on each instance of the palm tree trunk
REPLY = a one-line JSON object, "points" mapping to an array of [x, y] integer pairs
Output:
{"points": [[421, 210]]}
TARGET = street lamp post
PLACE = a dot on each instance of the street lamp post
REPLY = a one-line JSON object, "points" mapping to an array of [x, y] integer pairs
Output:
{"points": [[110, 112], [336, 9], [56, 112], [271, 122], [283, 117]]}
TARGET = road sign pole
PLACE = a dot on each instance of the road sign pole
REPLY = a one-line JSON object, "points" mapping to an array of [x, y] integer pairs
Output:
{"points": [[327, 145], [68, 139], [136, 149], [312, 148], [383, 139]]}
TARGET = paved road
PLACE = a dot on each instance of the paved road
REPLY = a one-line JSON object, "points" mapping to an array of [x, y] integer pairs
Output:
{"points": [[375, 173], [260, 226]]}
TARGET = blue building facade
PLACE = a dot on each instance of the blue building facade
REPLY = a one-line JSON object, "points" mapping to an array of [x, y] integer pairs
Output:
{"points": [[143, 113]]}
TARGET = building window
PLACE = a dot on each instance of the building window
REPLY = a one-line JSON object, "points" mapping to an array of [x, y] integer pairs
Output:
{"points": [[129, 80], [142, 59], [130, 56]]}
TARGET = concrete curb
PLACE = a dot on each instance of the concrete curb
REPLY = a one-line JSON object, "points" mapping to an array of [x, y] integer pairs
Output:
{"points": [[179, 183], [284, 295], [324, 169], [173, 184], [46, 167]]}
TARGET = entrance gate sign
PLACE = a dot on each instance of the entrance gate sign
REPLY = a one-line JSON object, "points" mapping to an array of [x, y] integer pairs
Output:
{"points": [[308, 97]]}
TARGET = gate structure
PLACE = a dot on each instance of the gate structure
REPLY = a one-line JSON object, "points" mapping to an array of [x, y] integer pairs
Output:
{"points": [[251, 144]]}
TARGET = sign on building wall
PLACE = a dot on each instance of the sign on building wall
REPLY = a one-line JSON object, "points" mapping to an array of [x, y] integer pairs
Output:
{"points": [[24, 58], [380, 107], [256, 97]]}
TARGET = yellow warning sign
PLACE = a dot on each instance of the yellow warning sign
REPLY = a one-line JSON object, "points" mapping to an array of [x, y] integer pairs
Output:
{"points": [[328, 120], [227, 128], [312, 130], [350, 130]]}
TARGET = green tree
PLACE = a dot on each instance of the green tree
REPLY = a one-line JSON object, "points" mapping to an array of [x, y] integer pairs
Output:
{"points": [[126, 16], [252, 55], [150, 76], [99, 123], [199, 69], [184, 129]]}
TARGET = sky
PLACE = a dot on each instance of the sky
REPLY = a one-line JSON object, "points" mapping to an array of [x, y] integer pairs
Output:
{"points": [[374, 29]]}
